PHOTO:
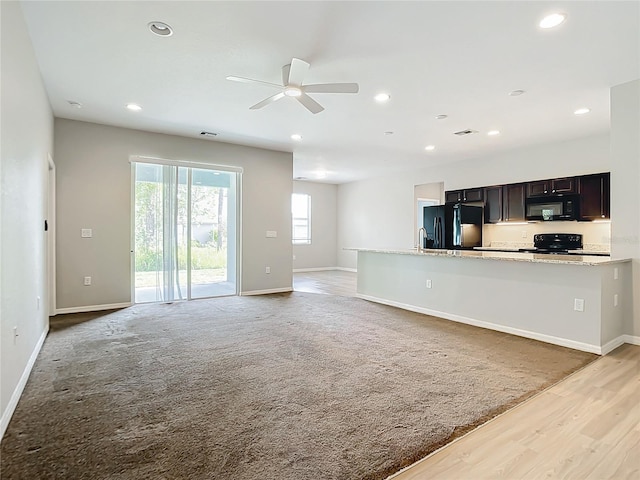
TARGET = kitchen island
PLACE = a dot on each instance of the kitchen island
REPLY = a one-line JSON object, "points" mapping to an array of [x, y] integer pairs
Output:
{"points": [[575, 301]]}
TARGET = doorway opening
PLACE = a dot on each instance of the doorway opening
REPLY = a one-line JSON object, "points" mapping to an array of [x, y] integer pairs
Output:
{"points": [[185, 232]]}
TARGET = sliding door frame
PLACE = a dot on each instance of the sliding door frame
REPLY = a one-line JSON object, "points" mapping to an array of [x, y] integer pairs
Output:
{"points": [[133, 159]]}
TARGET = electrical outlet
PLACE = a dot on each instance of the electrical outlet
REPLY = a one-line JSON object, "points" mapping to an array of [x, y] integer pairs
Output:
{"points": [[578, 304], [615, 300], [428, 283], [524, 234], [86, 233], [294, 257], [267, 269], [272, 234], [87, 281]]}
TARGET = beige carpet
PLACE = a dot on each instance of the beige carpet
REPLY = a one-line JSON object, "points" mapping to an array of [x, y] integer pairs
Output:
{"points": [[284, 387]]}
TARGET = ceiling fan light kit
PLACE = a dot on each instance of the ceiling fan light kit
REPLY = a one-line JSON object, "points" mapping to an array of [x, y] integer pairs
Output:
{"points": [[292, 77]]}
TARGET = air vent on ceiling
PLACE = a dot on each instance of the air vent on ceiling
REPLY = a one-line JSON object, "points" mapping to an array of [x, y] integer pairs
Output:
{"points": [[208, 134], [465, 132]]}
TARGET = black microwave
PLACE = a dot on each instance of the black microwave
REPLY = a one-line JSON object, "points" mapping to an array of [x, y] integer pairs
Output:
{"points": [[556, 207]]}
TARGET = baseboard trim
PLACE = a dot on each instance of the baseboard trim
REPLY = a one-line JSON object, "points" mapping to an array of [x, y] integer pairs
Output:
{"points": [[314, 269], [17, 393], [345, 269], [613, 344], [632, 339], [563, 342], [92, 308], [324, 269], [266, 292]]}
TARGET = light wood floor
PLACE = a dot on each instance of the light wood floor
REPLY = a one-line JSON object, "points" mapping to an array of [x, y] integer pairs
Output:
{"points": [[585, 427], [330, 282]]}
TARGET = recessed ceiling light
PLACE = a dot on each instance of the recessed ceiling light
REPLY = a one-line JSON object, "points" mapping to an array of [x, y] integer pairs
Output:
{"points": [[74, 104], [133, 107], [493, 132], [160, 28], [441, 117], [516, 93], [292, 92], [382, 97], [581, 111], [430, 148], [552, 20], [296, 136]]}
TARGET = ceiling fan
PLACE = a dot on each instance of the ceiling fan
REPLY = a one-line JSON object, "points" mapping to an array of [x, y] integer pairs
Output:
{"points": [[292, 77]]}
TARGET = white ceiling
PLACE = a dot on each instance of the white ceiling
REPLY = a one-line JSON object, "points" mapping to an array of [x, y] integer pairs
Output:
{"points": [[448, 57]]}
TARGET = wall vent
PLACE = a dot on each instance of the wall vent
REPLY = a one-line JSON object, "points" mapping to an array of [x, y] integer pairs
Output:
{"points": [[465, 132], [208, 134]]}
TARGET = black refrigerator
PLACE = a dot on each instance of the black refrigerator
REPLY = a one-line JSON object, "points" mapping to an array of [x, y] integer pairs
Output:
{"points": [[453, 226]]}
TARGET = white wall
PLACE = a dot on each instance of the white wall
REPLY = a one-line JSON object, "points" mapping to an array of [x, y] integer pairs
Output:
{"points": [[27, 140], [322, 251], [94, 191], [499, 294], [625, 187], [379, 212]]}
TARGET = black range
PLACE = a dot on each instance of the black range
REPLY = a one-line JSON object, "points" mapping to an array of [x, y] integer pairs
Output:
{"points": [[555, 243]]}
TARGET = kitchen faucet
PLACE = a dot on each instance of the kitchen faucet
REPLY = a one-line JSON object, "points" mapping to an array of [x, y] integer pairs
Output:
{"points": [[420, 237]]}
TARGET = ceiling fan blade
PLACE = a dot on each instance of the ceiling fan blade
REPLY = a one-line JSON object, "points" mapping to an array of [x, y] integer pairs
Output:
{"points": [[332, 88], [309, 103], [251, 80], [297, 71], [267, 101]]}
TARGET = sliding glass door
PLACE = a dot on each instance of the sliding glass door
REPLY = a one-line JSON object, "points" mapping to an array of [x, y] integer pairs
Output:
{"points": [[185, 232]]}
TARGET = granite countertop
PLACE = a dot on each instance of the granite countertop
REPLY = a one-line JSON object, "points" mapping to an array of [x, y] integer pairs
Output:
{"points": [[513, 256]]}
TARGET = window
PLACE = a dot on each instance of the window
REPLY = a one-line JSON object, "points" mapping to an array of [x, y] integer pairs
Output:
{"points": [[301, 217]]}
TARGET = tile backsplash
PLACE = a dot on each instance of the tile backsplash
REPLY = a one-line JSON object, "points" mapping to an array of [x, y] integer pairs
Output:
{"points": [[596, 236]]}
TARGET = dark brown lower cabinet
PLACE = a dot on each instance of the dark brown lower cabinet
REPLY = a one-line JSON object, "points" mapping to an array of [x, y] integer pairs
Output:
{"points": [[513, 199]]}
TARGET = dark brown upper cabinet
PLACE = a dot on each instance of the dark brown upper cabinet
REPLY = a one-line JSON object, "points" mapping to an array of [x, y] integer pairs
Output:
{"points": [[493, 204], [594, 196], [453, 196], [513, 200], [552, 187], [464, 196]]}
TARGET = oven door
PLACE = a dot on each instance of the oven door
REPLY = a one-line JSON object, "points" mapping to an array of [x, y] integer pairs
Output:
{"points": [[551, 208]]}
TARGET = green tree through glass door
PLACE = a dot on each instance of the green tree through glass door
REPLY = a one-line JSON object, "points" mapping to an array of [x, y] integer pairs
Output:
{"points": [[185, 233]]}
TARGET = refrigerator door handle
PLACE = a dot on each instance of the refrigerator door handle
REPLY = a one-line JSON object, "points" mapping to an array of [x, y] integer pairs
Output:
{"points": [[457, 227]]}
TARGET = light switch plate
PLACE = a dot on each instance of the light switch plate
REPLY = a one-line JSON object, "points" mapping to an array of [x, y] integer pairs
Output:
{"points": [[272, 234], [86, 233]]}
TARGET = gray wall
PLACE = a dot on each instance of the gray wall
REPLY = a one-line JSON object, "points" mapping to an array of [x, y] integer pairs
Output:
{"points": [[94, 191], [322, 251], [27, 140], [625, 187]]}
